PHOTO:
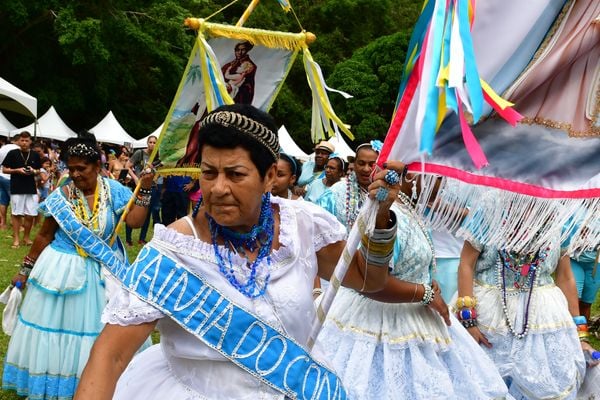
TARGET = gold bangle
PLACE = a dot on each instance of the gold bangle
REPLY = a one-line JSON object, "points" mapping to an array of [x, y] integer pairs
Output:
{"points": [[377, 248]]}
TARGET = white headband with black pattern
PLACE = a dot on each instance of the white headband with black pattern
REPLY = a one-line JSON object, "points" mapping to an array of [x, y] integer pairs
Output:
{"points": [[82, 150], [246, 125]]}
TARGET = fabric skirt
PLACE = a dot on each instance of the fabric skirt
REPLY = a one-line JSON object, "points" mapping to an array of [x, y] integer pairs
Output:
{"points": [[404, 351], [548, 362], [57, 324]]}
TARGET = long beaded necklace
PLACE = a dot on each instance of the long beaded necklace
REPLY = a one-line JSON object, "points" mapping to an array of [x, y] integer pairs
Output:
{"points": [[524, 268], [408, 205], [79, 204], [355, 197], [260, 236]]}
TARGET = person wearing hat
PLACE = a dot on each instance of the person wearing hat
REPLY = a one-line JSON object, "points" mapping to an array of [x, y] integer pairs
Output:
{"points": [[312, 170]]}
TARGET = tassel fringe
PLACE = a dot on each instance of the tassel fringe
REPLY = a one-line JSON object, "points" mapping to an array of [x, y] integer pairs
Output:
{"points": [[512, 221]]}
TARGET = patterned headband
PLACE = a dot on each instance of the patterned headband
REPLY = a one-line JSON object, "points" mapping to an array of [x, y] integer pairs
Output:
{"points": [[247, 126], [374, 145], [83, 150]]}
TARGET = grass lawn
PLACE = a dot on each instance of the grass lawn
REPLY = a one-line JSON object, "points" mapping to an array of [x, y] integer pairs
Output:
{"points": [[10, 261]]}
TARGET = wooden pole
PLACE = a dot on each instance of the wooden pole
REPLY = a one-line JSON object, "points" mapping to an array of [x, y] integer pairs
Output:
{"points": [[247, 13]]}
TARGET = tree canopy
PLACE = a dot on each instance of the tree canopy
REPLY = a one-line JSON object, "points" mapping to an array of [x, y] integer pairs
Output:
{"points": [[87, 58]]}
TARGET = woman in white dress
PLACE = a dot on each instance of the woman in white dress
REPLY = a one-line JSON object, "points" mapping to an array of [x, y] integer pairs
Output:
{"points": [[248, 263]]}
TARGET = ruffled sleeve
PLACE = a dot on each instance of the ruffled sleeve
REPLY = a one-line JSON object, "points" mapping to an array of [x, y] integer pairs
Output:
{"points": [[120, 195], [326, 229], [124, 308]]}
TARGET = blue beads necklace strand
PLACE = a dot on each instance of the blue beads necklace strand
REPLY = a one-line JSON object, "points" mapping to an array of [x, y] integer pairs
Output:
{"points": [[524, 270], [260, 237]]}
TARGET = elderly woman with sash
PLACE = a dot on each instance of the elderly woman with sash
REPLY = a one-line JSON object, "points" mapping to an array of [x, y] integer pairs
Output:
{"points": [[60, 316], [230, 286]]}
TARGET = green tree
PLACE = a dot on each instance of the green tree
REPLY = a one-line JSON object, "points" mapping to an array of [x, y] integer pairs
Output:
{"points": [[87, 58], [372, 75]]}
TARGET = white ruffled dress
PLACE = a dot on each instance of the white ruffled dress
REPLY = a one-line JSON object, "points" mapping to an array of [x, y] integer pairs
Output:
{"points": [[405, 351], [548, 362], [182, 367]]}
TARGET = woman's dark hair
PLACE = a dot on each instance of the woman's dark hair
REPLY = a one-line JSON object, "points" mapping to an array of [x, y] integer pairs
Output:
{"points": [[294, 163], [341, 163], [83, 146], [227, 136]]}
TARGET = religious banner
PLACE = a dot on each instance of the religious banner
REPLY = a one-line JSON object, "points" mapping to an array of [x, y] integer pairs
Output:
{"points": [[243, 65], [246, 67]]}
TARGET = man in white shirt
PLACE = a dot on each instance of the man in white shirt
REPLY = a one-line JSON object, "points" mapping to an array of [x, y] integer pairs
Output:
{"points": [[5, 181]]}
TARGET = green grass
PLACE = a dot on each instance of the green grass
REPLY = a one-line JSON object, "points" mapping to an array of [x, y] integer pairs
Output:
{"points": [[10, 261]]}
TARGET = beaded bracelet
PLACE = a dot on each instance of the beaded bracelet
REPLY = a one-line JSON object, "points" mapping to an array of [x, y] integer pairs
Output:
{"points": [[465, 301], [466, 313], [317, 291], [25, 269], [428, 295], [144, 191], [469, 323], [580, 320], [142, 201]]}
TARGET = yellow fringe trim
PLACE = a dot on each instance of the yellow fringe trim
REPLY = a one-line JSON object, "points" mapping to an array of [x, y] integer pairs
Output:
{"points": [[266, 38], [194, 172]]}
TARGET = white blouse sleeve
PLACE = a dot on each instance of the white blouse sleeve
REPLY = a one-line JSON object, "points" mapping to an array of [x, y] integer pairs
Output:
{"points": [[124, 308], [326, 229]]}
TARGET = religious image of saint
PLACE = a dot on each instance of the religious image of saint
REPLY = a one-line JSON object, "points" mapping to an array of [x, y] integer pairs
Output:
{"points": [[239, 74]]}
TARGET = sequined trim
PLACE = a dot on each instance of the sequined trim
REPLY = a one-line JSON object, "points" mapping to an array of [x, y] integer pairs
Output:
{"points": [[389, 337]]}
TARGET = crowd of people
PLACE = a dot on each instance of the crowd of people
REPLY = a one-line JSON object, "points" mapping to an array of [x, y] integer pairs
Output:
{"points": [[234, 269]]}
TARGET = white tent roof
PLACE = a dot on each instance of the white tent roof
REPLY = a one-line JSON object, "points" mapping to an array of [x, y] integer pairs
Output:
{"points": [[110, 131], [14, 99], [341, 147], [143, 142], [5, 126], [49, 126], [288, 146]]}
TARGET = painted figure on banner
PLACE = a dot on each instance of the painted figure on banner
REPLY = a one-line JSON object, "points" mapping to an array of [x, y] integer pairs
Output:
{"points": [[248, 81], [239, 74]]}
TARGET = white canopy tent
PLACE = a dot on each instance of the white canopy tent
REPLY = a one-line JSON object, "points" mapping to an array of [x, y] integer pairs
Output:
{"points": [[5, 126], [341, 147], [49, 126], [288, 146], [110, 131], [143, 142], [14, 99]]}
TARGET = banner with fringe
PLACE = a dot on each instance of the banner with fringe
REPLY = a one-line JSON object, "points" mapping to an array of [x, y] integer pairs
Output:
{"points": [[520, 183], [227, 64], [243, 65]]}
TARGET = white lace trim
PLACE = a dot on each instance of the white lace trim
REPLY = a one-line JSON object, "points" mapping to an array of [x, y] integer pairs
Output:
{"points": [[130, 315], [189, 246]]}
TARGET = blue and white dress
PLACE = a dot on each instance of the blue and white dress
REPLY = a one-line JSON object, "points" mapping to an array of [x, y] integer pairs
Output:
{"points": [[405, 351], [59, 319], [392, 351], [548, 362]]}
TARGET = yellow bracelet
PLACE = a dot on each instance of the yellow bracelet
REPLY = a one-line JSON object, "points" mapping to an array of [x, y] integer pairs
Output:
{"points": [[382, 249], [466, 302]]}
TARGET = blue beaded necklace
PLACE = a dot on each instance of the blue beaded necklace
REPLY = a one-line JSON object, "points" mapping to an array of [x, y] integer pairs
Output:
{"points": [[260, 236]]}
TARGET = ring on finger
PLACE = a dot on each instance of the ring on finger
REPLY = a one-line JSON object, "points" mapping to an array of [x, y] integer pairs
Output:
{"points": [[392, 177], [382, 194]]}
